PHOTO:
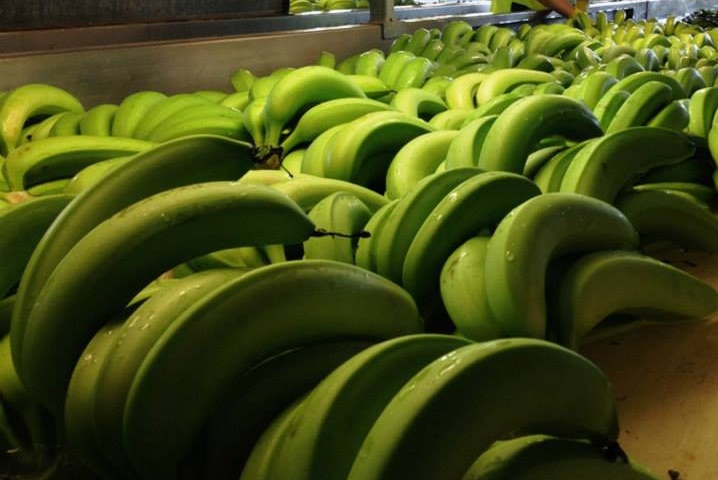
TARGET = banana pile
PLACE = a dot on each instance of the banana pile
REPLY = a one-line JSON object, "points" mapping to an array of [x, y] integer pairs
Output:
{"points": [[464, 210]]}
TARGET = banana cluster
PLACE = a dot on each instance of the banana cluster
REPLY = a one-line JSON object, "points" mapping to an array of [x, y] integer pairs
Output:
{"points": [[322, 261]]}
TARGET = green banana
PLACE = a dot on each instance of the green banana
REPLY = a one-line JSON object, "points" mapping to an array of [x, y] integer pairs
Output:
{"points": [[98, 120], [494, 106], [63, 157], [253, 120], [529, 120], [365, 255], [342, 214], [645, 102], [202, 119], [131, 110], [697, 169], [326, 115], [397, 233], [461, 93], [370, 63], [675, 116], [68, 124], [549, 176], [308, 190], [557, 392], [418, 102], [477, 203], [31, 100], [529, 237], [702, 109], [236, 100], [242, 79], [165, 109], [91, 174], [544, 457], [632, 82], [451, 119], [176, 214], [703, 194], [414, 74], [214, 96], [417, 159], [372, 87], [260, 395], [314, 160], [299, 89], [670, 216], [433, 48], [166, 166], [592, 289], [462, 287], [608, 106], [691, 80], [124, 354], [43, 128], [503, 81], [623, 66], [363, 141], [339, 412], [454, 30], [364, 306], [394, 65], [21, 228], [607, 164], [465, 149], [80, 434], [539, 158]]}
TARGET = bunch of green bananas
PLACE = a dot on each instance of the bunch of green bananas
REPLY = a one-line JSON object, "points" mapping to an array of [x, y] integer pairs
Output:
{"points": [[466, 185]]}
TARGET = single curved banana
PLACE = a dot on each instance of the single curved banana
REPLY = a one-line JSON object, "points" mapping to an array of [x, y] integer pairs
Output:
{"points": [[545, 457], [541, 157], [461, 93], [214, 96], [125, 351], [675, 116], [370, 63], [253, 119], [529, 237], [609, 105], [476, 204], [98, 120], [365, 255], [462, 286], [691, 80], [364, 306], [557, 392], [63, 157], [67, 125], [645, 102], [529, 120], [164, 167], [607, 164], [494, 106], [339, 213], [236, 100], [21, 228], [595, 86], [399, 229], [260, 395], [418, 102], [308, 190], [315, 157], [505, 80], [417, 159], [465, 149], [702, 110], [632, 82], [670, 216], [414, 74], [164, 110], [365, 139], [549, 176], [299, 89], [339, 412], [451, 119], [592, 289], [623, 66], [373, 87], [29, 101], [454, 30], [326, 115], [131, 110], [43, 128], [242, 79], [91, 174], [701, 193]]}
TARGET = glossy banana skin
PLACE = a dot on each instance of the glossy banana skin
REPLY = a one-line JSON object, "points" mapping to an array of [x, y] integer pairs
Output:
{"points": [[392, 450], [176, 213], [656, 289], [529, 120], [543, 457], [365, 306], [542, 228]]}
